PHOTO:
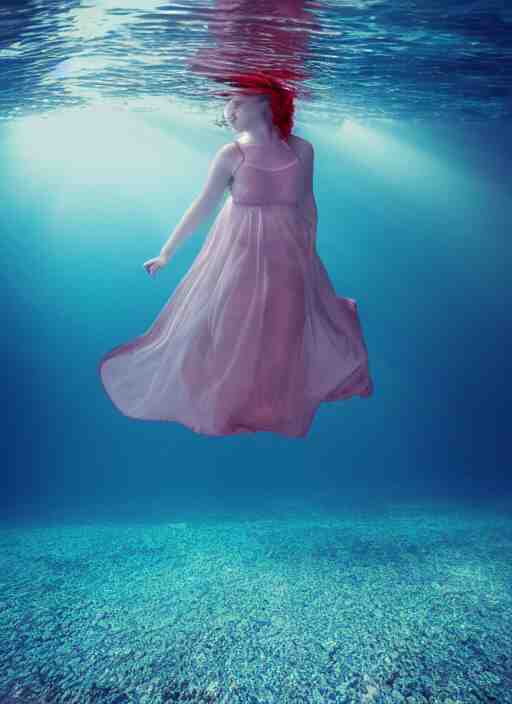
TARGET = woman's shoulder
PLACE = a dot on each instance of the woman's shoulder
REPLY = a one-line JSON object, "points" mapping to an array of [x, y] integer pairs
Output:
{"points": [[229, 148], [228, 154], [299, 140], [232, 153], [304, 145]]}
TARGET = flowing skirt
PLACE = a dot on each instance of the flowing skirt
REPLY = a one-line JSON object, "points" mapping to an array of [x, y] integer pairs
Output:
{"points": [[253, 338]]}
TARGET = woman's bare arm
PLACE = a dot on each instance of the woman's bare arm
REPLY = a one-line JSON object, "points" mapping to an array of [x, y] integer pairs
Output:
{"points": [[217, 180]]}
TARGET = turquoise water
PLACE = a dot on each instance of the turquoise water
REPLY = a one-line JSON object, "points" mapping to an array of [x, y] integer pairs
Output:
{"points": [[369, 562]]}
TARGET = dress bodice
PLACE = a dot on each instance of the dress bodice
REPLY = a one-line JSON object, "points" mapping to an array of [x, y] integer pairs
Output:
{"points": [[253, 184]]}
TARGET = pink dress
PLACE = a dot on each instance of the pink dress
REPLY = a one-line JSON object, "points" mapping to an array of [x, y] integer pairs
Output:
{"points": [[254, 337]]}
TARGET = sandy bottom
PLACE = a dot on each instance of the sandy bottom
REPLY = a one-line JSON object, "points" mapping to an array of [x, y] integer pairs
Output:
{"points": [[404, 603]]}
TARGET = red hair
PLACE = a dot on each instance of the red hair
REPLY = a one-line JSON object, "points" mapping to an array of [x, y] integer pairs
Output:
{"points": [[281, 97]]}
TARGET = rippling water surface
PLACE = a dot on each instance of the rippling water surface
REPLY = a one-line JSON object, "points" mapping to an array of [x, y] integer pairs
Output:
{"points": [[446, 60]]}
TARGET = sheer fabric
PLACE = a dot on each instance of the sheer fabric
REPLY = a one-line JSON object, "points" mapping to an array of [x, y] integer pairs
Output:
{"points": [[254, 337]]}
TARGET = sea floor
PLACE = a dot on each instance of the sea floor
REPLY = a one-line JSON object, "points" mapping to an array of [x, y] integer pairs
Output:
{"points": [[294, 603]]}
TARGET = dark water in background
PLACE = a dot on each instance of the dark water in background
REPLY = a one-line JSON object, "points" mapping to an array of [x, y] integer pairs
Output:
{"points": [[107, 131]]}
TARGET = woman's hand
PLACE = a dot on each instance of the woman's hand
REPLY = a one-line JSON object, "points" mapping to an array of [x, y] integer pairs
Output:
{"points": [[153, 265]]}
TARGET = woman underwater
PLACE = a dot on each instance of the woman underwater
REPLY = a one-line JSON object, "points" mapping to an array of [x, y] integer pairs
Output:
{"points": [[254, 337]]}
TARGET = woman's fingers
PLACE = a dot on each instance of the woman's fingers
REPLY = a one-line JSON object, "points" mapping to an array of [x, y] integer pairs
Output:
{"points": [[152, 265]]}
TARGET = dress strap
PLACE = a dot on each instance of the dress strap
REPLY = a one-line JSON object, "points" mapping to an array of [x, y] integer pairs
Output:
{"points": [[240, 147], [243, 159], [297, 154]]}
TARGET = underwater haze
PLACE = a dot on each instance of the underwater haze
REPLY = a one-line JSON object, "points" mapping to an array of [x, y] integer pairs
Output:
{"points": [[368, 561]]}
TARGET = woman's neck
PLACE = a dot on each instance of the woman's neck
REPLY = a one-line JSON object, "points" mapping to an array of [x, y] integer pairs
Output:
{"points": [[262, 138]]}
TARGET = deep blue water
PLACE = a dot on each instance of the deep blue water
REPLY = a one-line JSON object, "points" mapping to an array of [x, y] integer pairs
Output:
{"points": [[108, 125]]}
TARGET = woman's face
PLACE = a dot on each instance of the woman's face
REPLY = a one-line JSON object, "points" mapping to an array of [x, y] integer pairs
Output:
{"points": [[242, 111]]}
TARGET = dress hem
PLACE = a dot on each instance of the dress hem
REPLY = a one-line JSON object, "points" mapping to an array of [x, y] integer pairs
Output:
{"points": [[241, 429]]}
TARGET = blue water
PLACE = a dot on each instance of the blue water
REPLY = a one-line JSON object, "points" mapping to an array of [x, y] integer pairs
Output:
{"points": [[368, 562]]}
